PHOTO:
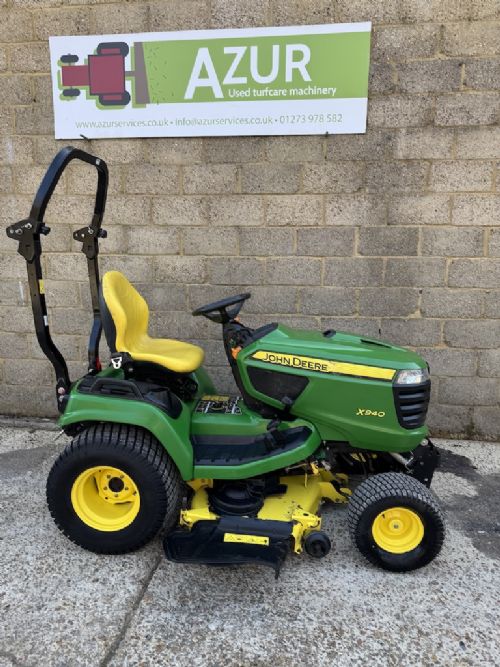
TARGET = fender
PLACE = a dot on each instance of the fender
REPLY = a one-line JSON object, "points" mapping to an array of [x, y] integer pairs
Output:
{"points": [[172, 433]]}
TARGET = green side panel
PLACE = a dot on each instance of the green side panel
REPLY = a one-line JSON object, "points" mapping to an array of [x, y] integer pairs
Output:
{"points": [[337, 404], [204, 382], [246, 422], [172, 433], [267, 464]]}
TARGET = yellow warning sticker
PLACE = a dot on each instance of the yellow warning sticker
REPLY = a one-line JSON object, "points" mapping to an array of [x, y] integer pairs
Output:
{"points": [[41, 286], [324, 365], [246, 539]]}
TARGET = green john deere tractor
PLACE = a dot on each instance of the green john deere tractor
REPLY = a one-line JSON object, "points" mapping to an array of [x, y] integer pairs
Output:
{"points": [[232, 479]]}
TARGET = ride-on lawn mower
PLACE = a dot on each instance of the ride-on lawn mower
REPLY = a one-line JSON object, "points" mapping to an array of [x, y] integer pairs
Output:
{"points": [[233, 479]]}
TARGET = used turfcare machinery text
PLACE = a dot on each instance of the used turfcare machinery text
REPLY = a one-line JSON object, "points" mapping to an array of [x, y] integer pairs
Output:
{"points": [[233, 479]]}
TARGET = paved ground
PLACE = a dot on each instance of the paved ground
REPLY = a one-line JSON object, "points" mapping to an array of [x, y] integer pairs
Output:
{"points": [[62, 606]]}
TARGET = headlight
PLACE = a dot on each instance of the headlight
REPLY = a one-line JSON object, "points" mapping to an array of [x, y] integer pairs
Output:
{"points": [[414, 376]]}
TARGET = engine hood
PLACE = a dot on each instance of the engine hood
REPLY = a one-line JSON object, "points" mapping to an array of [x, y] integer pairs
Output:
{"points": [[313, 346]]}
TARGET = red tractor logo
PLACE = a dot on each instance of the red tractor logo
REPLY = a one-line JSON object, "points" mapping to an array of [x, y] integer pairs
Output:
{"points": [[103, 75]]}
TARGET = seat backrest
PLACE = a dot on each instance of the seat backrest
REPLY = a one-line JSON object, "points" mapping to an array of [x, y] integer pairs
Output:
{"points": [[124, 312]]}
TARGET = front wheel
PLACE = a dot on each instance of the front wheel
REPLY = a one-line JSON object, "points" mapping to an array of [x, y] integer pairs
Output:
{"points": [[396, 522], [112, 489]]}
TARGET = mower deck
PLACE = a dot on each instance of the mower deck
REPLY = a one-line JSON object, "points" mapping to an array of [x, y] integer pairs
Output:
{"points": [[288, 518]]}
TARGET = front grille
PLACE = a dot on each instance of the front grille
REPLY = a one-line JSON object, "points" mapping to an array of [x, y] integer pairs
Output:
{"points": [[411, 404]]}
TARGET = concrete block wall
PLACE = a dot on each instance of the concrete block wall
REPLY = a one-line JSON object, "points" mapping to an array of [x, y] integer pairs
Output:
{"points": [[394, 234]]}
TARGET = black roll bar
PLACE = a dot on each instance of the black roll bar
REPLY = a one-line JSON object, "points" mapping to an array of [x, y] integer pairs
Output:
{"points": [[27, 232]]}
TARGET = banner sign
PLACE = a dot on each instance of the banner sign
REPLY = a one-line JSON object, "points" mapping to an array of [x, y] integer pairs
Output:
{"points": [[289, 80]]}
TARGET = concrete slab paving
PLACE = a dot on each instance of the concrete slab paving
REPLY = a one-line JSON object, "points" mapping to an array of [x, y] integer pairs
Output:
{"points": [[13, 438], [59, 605], [62, 606]]}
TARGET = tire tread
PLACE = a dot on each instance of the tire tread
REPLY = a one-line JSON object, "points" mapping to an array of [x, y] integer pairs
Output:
{"points": [[387, 485], [140, 445]]}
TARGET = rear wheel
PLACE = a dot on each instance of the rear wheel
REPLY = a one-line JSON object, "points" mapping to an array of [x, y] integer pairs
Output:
{"points": [[71, 92], [396, 522], [112, 489], [114, 100]]}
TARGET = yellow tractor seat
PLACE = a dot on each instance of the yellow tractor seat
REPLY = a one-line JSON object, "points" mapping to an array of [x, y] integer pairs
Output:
{"points": [[125, 316]]}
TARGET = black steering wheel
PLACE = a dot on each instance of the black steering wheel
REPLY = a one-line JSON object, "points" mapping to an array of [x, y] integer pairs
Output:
{"points": [[218, 310]]}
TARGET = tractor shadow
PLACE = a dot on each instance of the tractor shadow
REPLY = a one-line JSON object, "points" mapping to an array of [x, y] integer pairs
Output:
{"points": [[477, 516]]}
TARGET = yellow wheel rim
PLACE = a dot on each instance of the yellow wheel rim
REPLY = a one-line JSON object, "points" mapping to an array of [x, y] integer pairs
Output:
{"points": [[398, 530], [105, 498]]}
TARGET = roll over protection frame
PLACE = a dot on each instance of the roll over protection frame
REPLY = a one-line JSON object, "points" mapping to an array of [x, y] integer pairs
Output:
{"points": [[28, 233]]}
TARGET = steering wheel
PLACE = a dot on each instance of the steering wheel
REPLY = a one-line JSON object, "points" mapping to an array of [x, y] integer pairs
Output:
{"points": [[218, 310]]}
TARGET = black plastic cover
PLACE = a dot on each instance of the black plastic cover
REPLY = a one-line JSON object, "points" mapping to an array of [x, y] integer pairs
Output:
{"points": [[231, 450], [204, 543], [275, 384], [159, 396]]}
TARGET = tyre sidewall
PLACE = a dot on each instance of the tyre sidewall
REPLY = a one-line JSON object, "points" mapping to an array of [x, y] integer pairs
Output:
{"points": [[421, 555], [153, 498]]}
